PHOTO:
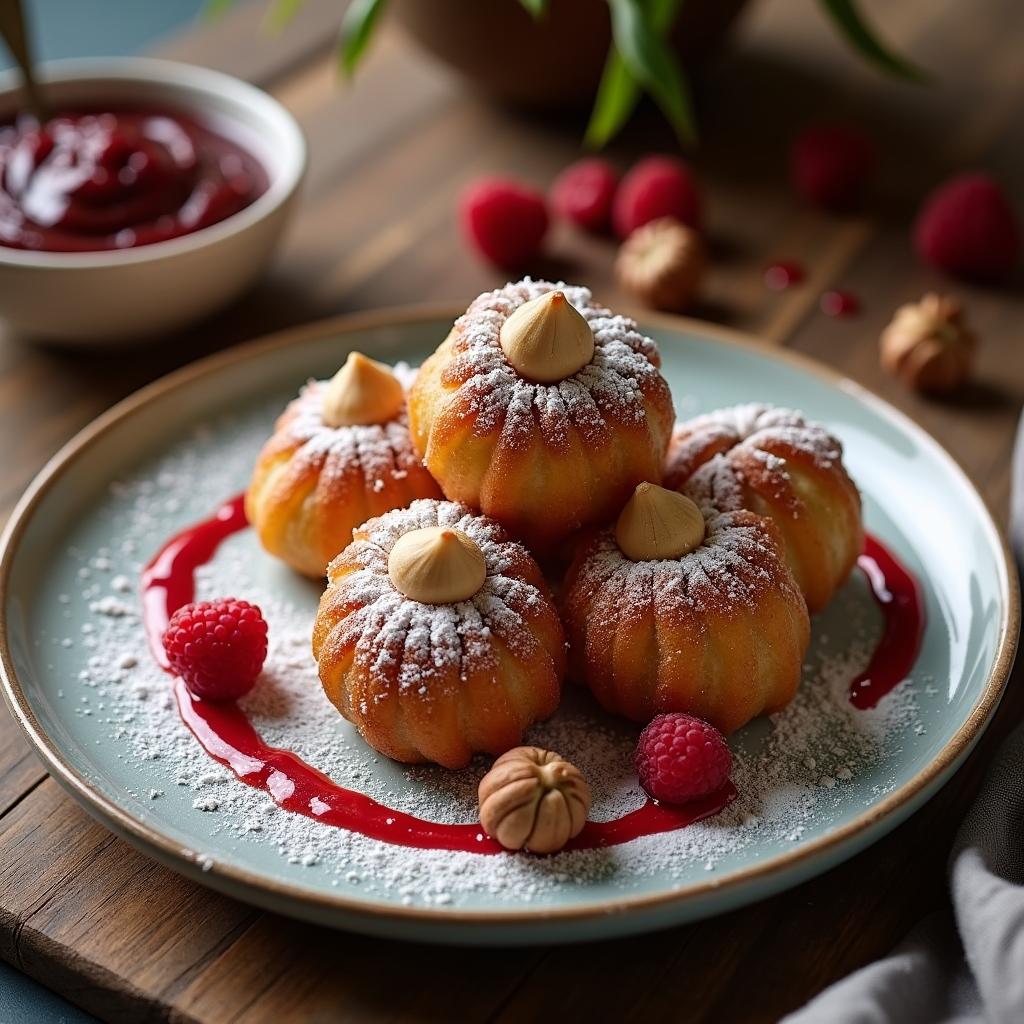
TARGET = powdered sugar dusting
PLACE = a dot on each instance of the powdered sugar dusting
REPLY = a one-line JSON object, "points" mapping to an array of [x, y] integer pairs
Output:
{"points": [[736, 564], [817, 763], [382, 450], [419, 641], [609, 389], [707, 453]]}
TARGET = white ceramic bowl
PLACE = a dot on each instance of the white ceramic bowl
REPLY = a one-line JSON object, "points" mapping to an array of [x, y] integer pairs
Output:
{"points": [[126, 296]]}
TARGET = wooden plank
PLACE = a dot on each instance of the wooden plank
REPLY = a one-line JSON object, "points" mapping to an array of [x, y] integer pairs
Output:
{"points": [[20, 769], [404, 92], [316, 974], [127, 939], [106, 926]]}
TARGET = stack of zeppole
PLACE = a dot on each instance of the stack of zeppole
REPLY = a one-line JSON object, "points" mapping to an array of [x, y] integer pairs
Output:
{"points": [[544, 420]]}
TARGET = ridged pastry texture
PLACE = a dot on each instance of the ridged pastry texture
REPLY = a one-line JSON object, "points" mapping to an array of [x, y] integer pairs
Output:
{"points": [[774, 462], [439, 682], [543, 459], [313, 483], [719, 633]]}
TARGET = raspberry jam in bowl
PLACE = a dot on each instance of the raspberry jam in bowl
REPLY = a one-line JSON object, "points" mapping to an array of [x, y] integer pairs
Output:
{"points": [[118, 178], [154, 194]]}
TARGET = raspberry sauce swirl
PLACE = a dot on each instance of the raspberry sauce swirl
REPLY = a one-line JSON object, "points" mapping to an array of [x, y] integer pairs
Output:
{"points": [[225, 732], [227, 735]]}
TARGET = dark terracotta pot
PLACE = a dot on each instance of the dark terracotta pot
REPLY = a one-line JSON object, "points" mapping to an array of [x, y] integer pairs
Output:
{"points": [[552, 62]]}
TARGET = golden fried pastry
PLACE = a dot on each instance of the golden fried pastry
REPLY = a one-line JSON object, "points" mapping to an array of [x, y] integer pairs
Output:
{"points": [[774, 462], [436, 636], [340, 453], [680, 608], [543, 410]]}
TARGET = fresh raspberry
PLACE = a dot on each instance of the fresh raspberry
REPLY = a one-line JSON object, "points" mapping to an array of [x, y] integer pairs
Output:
{"points": [[505, 220], [659, 186], [830, 165], [968, 228], [679, 758], [583, 193], [217, 647]]}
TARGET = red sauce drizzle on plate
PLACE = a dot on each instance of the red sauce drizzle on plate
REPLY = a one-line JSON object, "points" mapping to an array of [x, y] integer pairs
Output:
{"points": [[226, 734], [899, 597]]}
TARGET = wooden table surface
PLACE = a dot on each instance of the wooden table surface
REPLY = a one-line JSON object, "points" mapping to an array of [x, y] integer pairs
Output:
{"points": [[129, 940]]}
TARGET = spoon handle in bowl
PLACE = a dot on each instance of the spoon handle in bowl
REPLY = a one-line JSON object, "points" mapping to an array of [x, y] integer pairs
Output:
{"points": [[12, 28]]}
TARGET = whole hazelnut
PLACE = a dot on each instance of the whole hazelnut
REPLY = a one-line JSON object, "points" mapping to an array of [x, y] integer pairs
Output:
{"points": [[657, 523], [928, 345], [437, 565], [547, 339], [662, 264], [361, 393], [533, 799]]}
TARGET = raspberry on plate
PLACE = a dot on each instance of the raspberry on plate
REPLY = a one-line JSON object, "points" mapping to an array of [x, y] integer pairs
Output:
{"points": [[217, 647], [830, 164], [680, 757], [504, 220], [583, 193], [968, 228], [659, 186]]}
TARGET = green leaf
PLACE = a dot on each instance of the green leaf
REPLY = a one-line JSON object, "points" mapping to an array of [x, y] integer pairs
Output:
{"points": [[617, 97], [663, 14], [356, 29], [281, 13], [619, 92], [536, 8], [652, 62], [862, 38]]}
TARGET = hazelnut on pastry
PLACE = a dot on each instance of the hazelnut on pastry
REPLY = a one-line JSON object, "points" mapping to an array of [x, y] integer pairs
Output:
{"points": [[658, 523], [546, 339], [533, 799], [361, 393], [437, 566], [928, 345]]}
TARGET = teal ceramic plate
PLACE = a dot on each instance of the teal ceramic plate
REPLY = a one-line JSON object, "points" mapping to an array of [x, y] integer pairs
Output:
{"points": [[817, 783]]}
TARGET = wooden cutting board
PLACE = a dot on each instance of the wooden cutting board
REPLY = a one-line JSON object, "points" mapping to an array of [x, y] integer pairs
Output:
{"points": [[130, 941]]}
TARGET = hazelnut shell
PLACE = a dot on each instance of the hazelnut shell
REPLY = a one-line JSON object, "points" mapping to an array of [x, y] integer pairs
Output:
{"points": [[928, 345], [533, 799]]}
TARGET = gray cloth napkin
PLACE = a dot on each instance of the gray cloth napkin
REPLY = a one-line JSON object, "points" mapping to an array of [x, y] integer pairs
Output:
{"points": [[936, 976]]}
